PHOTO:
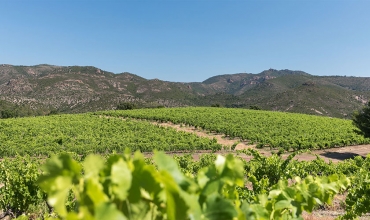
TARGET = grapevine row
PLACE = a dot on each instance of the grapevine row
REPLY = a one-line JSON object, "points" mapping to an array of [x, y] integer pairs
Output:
{"points": [[169, 188], [274, 129], [83, 134]]}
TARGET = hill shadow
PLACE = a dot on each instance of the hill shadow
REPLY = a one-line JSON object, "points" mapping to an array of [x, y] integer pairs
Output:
{"points": [[340, 156]]}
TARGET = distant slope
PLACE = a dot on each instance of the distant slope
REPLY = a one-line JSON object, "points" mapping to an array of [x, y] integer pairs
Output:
{"points": [[353, 83], [45, 88], [76, 89], [306, 94]]}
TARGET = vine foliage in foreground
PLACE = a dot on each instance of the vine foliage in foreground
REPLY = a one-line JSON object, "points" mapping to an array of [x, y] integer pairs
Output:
{"points": [[358, 201], [125, 187], [19, 189]]}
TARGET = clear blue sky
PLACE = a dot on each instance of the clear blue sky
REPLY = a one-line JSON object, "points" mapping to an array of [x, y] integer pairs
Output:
{"points": [[189, 40]]}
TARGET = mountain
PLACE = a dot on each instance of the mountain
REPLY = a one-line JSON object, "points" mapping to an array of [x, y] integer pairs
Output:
{"points": [[44, 89]]}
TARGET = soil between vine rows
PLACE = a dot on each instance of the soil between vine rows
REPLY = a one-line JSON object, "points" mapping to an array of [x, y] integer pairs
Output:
{"points": [[331, 154]]}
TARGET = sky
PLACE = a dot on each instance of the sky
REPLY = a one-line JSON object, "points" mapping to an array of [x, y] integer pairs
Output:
{"points": [[189, 40]]}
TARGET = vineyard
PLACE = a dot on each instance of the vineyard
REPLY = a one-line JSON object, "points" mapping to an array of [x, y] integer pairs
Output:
{"points": [[90, 166], [287, 131], [83, 134], [122, 186]]}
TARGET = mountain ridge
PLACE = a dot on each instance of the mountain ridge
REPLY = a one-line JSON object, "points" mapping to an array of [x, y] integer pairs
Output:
{"points": [[73, 89]]}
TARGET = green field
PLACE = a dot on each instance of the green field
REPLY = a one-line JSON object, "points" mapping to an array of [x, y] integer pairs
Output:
{"points": [[126, 186], [265, 128], [97, 133], [85, 134]]}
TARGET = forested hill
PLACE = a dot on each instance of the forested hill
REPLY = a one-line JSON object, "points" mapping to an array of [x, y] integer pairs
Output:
{"points": [[45, 89]]}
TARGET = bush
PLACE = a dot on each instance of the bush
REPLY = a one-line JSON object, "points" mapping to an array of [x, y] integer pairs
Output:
{"points": [[255, 107], [7, 114], [125, 106], [361, 119]]}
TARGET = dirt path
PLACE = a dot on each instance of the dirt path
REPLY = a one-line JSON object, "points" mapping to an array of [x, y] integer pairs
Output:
{"points": [[333, 154]]}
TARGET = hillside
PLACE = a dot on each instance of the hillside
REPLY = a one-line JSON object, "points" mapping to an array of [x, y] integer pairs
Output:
{"points": [[45, 89], [79, 89]]}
